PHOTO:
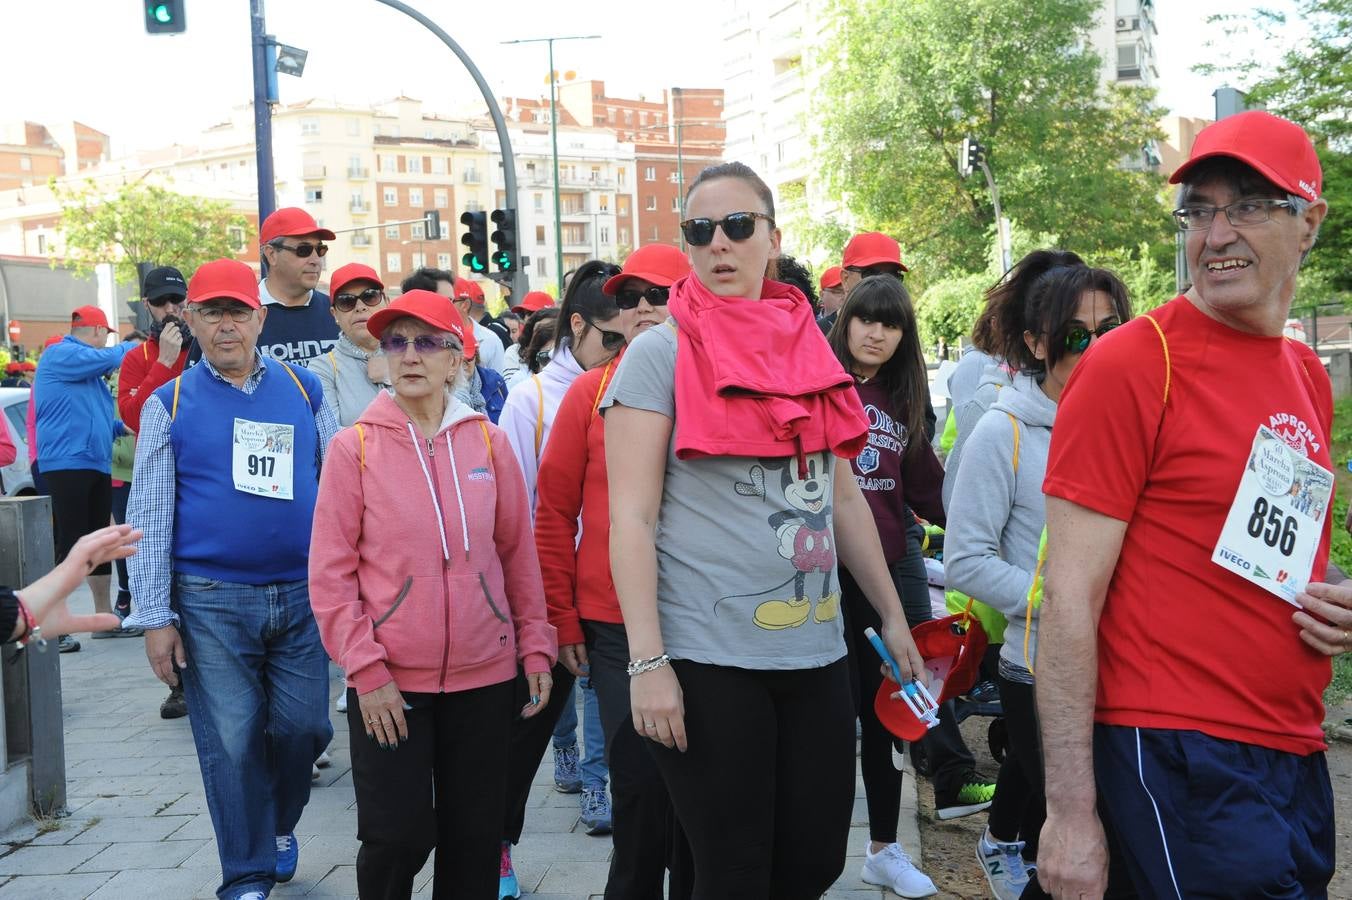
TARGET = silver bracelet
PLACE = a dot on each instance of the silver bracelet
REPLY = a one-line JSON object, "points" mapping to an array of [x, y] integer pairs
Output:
{"points": [[639, 666]]}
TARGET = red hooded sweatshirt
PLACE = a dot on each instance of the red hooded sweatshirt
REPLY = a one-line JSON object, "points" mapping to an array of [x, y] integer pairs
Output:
{"points": [[571, 483], [422, 564]]}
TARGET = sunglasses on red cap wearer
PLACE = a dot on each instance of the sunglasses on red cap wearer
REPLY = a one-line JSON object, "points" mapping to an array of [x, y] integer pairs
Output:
{"points": [[737, 226]]}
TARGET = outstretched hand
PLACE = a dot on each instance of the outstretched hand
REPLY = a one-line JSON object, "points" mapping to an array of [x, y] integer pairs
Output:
{"points": [[46, 598]]}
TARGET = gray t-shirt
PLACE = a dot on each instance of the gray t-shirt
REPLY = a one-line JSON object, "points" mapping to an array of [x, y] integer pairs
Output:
{"points": [[746, 559]]}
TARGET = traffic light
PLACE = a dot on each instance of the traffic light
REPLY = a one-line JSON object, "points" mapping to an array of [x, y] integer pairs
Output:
{"points": [[504, 238], [970, 156], [432, 225], [476, 239], [164, 17]]}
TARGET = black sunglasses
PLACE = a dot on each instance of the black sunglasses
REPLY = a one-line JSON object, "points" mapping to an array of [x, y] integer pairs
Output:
{"points": [[878, 269], [165, 300], [737, 226], [304, 250], [1077, 338], [346, 302], [611, 340], [628, 298]]}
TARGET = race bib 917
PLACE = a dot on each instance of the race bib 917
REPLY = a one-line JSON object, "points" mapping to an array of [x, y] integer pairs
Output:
{"points": [[263, 458], [1274, 526]]}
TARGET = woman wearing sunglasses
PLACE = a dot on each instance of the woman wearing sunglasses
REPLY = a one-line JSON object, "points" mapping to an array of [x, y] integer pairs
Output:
{"points": [[426, 588], [876, 340], [354, 371], [572, 490], [729, 503], [588, 337], [995, 523]]}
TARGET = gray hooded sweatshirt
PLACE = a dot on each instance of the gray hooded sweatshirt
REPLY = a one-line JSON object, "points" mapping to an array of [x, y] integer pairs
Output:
{"points": [[996, 516], [972, 387], [342, 372]]}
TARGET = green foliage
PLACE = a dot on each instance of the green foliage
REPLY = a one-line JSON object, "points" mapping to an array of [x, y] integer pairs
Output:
{"points": [[946, 310], [1147, 271], [143, 223], [906, 82], [1340, 550]]}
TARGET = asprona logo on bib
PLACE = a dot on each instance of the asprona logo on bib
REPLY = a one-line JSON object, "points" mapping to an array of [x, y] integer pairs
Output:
{"points": [[1292, 429]]}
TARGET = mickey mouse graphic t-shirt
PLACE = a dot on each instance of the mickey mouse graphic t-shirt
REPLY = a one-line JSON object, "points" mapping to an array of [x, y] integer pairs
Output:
{"points": [[746, 554]]}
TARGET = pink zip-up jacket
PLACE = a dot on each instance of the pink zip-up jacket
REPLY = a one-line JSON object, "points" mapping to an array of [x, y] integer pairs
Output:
{"points": [[423, 568]]}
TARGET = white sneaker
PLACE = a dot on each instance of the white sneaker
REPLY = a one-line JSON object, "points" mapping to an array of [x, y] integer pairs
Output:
{"points": [[324, 760], [891, 868], [341, 703], [1003, 864]]}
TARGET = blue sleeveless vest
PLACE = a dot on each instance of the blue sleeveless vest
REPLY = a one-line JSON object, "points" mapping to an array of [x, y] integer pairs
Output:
{"points": [[220, 532]]}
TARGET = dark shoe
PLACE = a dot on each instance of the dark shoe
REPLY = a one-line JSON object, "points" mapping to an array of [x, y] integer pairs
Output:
{"points": [[174, 706], [121, 632], [68, 644], [972, 796]]}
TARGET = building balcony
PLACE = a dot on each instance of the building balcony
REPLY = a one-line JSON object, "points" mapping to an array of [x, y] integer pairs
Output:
{"points": [[360, 208], [314, 172], [470, 178], [361, 240], [358, 174]]}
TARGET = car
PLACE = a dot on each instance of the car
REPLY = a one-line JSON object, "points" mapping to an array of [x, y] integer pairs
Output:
{"points": [[17, 477]]}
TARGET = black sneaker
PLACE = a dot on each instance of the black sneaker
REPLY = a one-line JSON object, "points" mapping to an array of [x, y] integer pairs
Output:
{"points": [[174, 706], [68, 644], [972, 796]]}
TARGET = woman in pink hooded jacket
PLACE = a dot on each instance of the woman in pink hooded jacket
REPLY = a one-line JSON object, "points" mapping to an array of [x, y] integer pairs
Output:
{"points": [[426, 587]]}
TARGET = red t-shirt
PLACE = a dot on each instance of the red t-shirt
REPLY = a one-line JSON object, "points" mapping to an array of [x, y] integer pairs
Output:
{"points": [[1183, 643]]}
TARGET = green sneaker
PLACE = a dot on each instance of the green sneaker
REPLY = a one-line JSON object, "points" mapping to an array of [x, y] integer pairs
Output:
{"points": [[974, 795]]}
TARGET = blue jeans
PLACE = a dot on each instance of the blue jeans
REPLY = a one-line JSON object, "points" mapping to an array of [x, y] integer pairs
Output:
{"points": [[593, 764], [257, 691]]}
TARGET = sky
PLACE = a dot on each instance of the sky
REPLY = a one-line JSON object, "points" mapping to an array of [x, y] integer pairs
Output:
{"points": [[92, 61]]}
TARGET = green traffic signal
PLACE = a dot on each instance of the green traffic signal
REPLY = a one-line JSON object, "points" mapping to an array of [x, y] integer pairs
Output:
{"points": [[164, 16]]}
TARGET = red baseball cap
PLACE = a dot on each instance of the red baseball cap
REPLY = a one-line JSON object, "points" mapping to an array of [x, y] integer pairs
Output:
{"points": [[88, 317], [1281, 151], [351, 272], [831, 278], [464, 288], [534, 301], [872, 248], [224, 278], [54, 339], [661, 264], [425, 306], [13, 368], [28, 366], [291, 221]]}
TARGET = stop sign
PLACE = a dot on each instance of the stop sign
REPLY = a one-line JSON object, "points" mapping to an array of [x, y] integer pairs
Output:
{"points": [[14, 331]]}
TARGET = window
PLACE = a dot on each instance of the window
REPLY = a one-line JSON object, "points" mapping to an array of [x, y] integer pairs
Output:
{"points": [[26, 163], [605, 234], [595, 174], [643, 118], [654, 237], [1128, 61], [652, 203], [621, 175], [417, 261], [650, 173], [354, 165], [474, 205], [675, 204], [392, 232], [387, 163], [314, 195], [391, 196], [354, 127], [540, 265], [622, 207], [415, 197], [445, 231], [443, 261], [603, 203], [415, 165], [393, 262], [441, 198], [42, 246], [610, 115], [624, 235], [539, 202], [539, 234], [438, 165], [235, 235], [309, 126], [417, 232], [629, 117]]}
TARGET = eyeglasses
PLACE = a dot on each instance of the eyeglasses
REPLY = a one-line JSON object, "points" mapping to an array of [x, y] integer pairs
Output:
{"points": [[305, 249], [628, 298], [737, 226], [1241, 213], [346, 302], [213, 314], [166, 299], [1077, 338], [611, 340], [423, 344], [878, 269]]}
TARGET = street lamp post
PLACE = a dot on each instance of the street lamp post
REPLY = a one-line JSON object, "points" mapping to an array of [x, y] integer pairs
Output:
{"points": [[554, 139]]}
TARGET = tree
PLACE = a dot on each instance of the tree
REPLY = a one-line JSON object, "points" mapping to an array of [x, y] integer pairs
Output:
{"points": [[144, 223], [905, 82]]}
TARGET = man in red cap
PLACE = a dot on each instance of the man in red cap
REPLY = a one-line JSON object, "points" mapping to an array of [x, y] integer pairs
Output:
{"points": [[534, 301], [1186, 634], [300, 327], [832, 298], [870, 253], [354, 371], [227, 473], [76, 428]]}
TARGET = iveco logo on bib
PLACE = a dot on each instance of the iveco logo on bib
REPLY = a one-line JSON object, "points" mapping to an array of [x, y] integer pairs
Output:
{"points": [[1233, 557], [1298, 436]]}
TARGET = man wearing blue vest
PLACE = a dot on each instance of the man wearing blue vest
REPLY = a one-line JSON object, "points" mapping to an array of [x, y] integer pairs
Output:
{"points": [[227, 469]]}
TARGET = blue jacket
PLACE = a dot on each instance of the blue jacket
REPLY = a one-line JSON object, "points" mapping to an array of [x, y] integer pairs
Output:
{"points": [[75, 418], [494, 390]]}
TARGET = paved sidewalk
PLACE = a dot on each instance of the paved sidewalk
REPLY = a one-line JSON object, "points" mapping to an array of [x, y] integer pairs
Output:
{"points": [[138, 826]]}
